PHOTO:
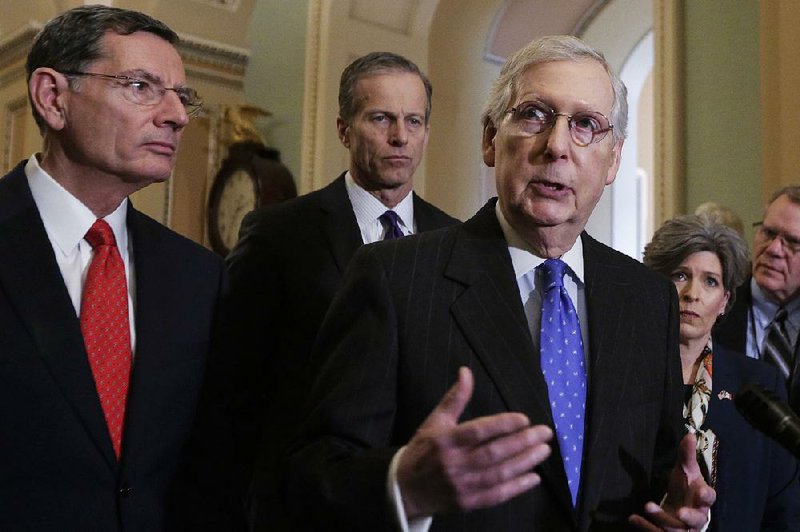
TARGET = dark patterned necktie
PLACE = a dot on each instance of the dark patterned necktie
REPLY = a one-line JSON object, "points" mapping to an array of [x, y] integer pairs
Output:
{"points": [[777, 348], [391, 221], [561, 358], [106, 329]]}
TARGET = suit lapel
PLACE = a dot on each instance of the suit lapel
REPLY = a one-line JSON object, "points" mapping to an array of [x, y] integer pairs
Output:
{"points": [[422, 215], [609, 316], [338, 223], [30, 276], [153, 310], [491, 316]]}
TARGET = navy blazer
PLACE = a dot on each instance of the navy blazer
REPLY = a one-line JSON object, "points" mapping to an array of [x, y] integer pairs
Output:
{"points": [[731, 333], [412, 311], [58, 470], [757, 479]]}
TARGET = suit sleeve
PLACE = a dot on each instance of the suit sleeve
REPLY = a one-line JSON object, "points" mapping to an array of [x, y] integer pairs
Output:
{"points": [[671, 428], [339, 466]]}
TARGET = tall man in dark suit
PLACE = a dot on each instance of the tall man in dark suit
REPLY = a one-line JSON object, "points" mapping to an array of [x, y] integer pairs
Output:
{"points": [[291, 256], [380, 446], [772, 290], [106, 315]]}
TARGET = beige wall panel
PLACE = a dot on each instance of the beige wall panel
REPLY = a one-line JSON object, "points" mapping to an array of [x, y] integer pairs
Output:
{"points": [[461, 80], [780, 77]]}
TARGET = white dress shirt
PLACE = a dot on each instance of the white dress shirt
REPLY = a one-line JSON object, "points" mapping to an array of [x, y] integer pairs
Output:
{"points": [[368, 208], [524, 260], [66, 221]]}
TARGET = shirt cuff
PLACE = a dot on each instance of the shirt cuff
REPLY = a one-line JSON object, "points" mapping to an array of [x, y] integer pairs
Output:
{"points": [[421, 524]]}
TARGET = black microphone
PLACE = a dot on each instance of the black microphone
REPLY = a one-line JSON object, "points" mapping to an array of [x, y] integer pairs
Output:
{"points": [[770, 415]]}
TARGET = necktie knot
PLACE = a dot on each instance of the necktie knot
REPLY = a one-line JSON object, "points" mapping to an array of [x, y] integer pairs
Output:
{"points": [[553, 271], [780, 315], [391, 221], [100, 234]]}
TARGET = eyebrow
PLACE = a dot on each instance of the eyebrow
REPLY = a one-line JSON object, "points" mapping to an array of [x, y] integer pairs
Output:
{"points": [[145, 75], [580, 107], [780, 231]]}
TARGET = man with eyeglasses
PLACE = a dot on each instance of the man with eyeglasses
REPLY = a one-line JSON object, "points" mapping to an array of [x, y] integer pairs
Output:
{"points": [[565, 412], [765, 319], [106, 316]]}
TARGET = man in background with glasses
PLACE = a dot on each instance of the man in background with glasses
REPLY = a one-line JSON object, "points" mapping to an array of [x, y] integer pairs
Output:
{"points": [[765, 320], [565, 412], [106, 316]]}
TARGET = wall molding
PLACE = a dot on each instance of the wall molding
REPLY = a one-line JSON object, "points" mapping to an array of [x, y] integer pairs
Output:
{"points": [[669, 157]]}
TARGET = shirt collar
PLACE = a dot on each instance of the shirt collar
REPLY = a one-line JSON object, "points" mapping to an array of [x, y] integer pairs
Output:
{"points": [[368, 208], [66, 219], [766, 308], [524, 259]]}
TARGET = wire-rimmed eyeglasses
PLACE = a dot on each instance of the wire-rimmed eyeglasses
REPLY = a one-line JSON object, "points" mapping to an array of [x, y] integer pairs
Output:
{"points": [[585, 127], [149, 91]]}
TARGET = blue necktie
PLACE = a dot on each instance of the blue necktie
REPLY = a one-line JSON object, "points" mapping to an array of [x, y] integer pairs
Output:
{"points": [[561, 356], [391, 221]]}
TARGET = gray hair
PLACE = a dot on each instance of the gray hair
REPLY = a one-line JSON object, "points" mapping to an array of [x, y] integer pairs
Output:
{"points": [[73, 39], [790, 191], [683, 235], [545, 50], [372, 64]]}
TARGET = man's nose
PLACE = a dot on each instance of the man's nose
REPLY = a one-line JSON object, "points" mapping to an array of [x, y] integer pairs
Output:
{"points": [[398, 133]]}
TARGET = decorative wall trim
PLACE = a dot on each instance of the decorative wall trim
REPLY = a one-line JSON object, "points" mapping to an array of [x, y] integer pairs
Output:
{"points": [[11, 111], [228, 5], [669, 179], [311, 118], [16, 44], [200, 52], [14, 49]]}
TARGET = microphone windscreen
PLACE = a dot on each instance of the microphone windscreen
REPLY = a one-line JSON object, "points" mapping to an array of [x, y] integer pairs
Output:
{"points": [[770, 415]]}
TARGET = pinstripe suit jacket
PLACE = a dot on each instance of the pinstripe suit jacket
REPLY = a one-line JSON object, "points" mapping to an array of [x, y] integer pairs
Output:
{"points": [[411, 312]]}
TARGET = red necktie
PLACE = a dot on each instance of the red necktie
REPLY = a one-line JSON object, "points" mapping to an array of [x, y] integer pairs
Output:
{"points": [[105, 327]]}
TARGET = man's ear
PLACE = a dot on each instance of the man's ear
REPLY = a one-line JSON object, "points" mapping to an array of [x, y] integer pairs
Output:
{"points": [[616, 150], [343, 130], [47, 89], [487, 144]]}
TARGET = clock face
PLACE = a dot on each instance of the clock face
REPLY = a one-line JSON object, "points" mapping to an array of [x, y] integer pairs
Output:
{"points": [[238, 197]]}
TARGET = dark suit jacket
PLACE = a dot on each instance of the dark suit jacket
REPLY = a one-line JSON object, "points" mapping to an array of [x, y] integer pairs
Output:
{"points": [[57, 465], [731, 333], [411, 312], [757, 480], [284, 273]]}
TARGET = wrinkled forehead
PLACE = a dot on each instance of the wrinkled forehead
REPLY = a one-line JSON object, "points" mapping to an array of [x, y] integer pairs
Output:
{"points": [[567, 85], [141, 52], [784, 214]]}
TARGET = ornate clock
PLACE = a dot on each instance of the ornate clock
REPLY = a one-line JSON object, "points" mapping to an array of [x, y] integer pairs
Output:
{"points": [[250, 177]]}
